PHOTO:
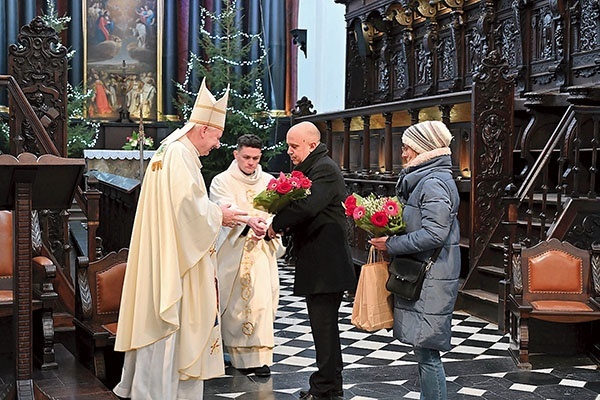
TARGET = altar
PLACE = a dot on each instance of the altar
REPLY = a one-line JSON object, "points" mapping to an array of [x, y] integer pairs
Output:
{"points": [[125, 163]]}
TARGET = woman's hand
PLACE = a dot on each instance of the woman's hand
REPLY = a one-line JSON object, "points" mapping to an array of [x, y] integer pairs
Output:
{"points": [[379, 242]]}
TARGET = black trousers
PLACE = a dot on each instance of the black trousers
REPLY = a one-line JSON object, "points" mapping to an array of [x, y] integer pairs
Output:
{"points": [[323, 309]]}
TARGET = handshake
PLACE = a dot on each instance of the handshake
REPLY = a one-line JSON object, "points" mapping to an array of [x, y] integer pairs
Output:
{"points": [[259, 226]]}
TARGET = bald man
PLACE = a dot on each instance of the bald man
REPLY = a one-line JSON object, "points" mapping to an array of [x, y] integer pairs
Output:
{"points": [[324, 268]]}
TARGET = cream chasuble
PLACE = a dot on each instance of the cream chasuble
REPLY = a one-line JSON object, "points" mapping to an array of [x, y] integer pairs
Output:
{"points": [[247, 270], [170, 283]]}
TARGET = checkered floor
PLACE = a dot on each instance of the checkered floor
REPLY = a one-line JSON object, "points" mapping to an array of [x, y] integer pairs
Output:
{"points": [[378, 367]]}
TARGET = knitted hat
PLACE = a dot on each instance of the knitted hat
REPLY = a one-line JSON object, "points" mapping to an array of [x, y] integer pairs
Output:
{"points": [[426, 136]]}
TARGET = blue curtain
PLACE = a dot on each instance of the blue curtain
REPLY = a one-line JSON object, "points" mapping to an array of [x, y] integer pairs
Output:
{"points": [[75, 41], [169, 57], [9, 23]]}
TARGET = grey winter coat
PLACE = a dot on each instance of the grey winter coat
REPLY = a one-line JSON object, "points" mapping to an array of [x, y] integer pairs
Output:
{"points": [[431, 201]]}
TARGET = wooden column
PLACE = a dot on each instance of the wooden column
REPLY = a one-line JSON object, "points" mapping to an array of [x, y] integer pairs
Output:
{"points": [[366, 154], [388, 154], [92, 194], [346, 158], [455, 144], [414, 115], [22, 283], [329, 136]]}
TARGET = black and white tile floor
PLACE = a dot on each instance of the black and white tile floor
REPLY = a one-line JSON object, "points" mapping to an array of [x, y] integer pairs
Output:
{"points": [[380, 368]]}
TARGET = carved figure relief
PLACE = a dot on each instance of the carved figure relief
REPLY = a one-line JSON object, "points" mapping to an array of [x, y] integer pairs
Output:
{"points": [[383, 70], [545, 35], [399, 62], [447, 51], [493, 141], [424, 64], [475, 49]]}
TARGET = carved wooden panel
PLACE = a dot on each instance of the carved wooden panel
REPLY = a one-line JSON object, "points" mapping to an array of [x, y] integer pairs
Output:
{"points": [[403, 49], [491, 151], [39, 64]]}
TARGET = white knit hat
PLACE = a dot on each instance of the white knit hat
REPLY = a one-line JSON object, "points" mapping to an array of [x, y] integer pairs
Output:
{"points": [[426, 136]]}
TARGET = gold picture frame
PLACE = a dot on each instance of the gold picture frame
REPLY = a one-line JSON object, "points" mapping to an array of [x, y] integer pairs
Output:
{"points": [[122, 54]]}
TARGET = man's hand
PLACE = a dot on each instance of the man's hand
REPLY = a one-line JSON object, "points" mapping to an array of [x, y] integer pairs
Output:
{"points": [[258, 225], [230, 215], [271, 232]]}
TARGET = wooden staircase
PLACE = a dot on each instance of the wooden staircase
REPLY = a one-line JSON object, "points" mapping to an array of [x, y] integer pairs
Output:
{"points": [[555, 198]]}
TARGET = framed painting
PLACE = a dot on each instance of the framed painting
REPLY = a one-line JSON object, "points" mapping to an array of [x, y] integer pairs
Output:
{"points": [[121, 57]]}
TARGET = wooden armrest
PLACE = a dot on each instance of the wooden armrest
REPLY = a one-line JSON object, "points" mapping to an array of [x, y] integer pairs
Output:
{"points": [[44, 271], [45, 265]]}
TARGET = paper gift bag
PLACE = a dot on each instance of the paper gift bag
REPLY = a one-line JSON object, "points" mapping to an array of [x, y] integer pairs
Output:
{"points": [[373, 304]]}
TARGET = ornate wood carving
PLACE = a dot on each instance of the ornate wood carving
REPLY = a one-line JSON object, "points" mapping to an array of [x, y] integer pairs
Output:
{"points": [[491, 158], [586, 233], [303, 107], [39, 64], [596, 268]]}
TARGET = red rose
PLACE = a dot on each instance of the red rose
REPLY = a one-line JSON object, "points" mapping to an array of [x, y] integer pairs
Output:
{"points": [[379, 219], [305, 183], [297, 174], [350, 201], [284, 187]]}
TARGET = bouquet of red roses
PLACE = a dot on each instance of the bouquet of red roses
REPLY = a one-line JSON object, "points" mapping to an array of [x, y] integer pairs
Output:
{"points": [[380, 216], [281, 191]]}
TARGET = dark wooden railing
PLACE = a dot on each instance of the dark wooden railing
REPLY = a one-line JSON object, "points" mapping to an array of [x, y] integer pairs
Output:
{"points": [[552, 199]]}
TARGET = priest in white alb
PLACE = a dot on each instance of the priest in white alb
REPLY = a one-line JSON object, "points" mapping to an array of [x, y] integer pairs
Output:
{"points": [[169, 320], [247, 263]]}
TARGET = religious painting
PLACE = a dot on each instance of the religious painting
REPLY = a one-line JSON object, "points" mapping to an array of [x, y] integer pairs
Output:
{"points": [[122, 54]]}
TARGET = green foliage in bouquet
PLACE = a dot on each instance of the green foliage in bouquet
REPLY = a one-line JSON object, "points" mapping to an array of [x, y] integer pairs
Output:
{"points": [[379, 216], [282, 191]]}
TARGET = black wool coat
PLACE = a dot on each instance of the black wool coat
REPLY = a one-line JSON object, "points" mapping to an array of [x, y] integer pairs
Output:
{"points": [[317, 224]]}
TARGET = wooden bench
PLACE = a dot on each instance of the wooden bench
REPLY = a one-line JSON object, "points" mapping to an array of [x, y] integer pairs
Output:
{"points": [[98, 296], [552, 281]]}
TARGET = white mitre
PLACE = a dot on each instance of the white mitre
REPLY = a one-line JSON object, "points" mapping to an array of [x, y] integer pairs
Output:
{"points": [[207, 111]]}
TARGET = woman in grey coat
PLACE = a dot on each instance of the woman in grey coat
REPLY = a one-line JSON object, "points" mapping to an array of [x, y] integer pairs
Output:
{"points": [[430, 198]]}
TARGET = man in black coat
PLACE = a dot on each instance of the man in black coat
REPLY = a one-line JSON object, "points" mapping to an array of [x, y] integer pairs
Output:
{"points": [[324, 267]]}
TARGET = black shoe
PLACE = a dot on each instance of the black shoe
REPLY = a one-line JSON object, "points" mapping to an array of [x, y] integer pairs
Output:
{"points": [[348, 297], [304, 395], [263, 371], [246, 371]]}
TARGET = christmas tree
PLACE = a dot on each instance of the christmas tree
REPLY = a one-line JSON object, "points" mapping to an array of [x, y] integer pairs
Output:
{"points": [[227, 60]]}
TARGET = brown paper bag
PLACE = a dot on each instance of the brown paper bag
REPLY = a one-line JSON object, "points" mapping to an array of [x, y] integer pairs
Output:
{"points": [[373, 304]]}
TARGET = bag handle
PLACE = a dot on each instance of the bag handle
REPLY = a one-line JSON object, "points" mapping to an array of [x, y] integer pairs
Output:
{"points": [[374, 255]]}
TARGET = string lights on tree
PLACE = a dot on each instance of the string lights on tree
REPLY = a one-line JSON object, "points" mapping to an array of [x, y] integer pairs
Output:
{"points": [[238, 59]]}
